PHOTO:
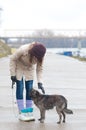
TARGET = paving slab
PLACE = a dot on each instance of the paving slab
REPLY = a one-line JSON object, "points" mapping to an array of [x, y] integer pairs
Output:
{"points": [[62, 75]]}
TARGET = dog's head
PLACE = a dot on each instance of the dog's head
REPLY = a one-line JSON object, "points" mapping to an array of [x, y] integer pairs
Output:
{"points": [[34, 93]]}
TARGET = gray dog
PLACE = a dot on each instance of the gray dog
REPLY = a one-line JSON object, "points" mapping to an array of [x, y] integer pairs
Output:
{"points": [[46, 102]]}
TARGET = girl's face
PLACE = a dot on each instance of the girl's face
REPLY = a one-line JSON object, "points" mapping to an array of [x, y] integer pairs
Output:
{"points": [[34, 60]]}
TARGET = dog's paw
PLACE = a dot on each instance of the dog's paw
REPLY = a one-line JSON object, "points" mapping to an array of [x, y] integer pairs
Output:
{"points": [[41, 120], [63, 121], [58, 122]]}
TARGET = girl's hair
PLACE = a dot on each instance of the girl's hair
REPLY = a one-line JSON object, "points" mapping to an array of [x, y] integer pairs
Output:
{"points": [[39, 60], [37, 50]]}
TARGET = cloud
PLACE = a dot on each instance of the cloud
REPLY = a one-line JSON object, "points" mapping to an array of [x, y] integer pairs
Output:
{"points": [[33, 14]]}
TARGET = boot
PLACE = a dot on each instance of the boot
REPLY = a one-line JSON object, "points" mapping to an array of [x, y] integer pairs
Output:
{"points": [[26, 115]]}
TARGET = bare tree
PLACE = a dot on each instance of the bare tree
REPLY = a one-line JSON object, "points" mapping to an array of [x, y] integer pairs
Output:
{"points": [[43, 33]]}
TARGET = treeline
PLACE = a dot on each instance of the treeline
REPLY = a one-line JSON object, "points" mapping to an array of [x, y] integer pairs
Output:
{"points": [[60, 42], [53, 42]]}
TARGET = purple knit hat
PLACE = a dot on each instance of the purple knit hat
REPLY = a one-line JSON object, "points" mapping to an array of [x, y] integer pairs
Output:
{"points": [[38, 50]]}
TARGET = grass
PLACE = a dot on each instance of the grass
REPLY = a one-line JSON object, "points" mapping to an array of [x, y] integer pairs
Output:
{"points": [[4, 53], [13, 50], [5, 50], [79, 58]]}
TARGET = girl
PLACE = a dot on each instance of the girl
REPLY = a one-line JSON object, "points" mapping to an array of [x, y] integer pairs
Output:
{"points": [[23, 63]]}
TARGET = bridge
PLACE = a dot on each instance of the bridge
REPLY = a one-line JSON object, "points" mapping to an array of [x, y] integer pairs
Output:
{"points": [[45, 35], [21, 33]]}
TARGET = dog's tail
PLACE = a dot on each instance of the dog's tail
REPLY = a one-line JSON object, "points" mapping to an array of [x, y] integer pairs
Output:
{"points": [[68, 111]]}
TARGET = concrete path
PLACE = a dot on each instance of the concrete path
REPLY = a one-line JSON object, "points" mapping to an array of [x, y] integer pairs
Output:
{"points": [[62, 75]]}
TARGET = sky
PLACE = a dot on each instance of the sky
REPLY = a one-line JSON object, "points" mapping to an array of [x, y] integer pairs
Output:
{"points": [[42, 14]]}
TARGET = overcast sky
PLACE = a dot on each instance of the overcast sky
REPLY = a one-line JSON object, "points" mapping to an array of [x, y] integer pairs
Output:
{"points": [[43, 14]]}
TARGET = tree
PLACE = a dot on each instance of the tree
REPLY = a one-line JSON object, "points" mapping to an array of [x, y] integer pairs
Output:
{"points": [[43, 33]]}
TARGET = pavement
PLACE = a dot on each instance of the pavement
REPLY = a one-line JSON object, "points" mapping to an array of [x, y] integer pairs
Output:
{"points": [[62, 75]]}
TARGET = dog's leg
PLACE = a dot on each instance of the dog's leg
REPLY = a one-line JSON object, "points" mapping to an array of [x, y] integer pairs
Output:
{"points": [[60, 115], [63, 116], [42, 116]]}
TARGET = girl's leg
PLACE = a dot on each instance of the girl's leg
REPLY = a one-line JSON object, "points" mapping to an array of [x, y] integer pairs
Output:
{"points": [[28, 86], [29, 108], [19, 94], [25, 114]]}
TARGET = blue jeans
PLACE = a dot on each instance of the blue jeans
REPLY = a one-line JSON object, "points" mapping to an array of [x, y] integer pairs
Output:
{"points": [[20, 88]]}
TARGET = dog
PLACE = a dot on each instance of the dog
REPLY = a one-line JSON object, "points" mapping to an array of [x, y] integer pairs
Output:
{"points": [[46, 102]]}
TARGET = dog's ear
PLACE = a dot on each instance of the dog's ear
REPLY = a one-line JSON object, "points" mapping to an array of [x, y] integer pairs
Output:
{"points": [[37, 93], [30, 92]]}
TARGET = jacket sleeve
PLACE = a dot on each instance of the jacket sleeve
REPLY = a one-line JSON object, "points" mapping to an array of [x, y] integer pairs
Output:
{"points": [[39, 72], [13, 61]]}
